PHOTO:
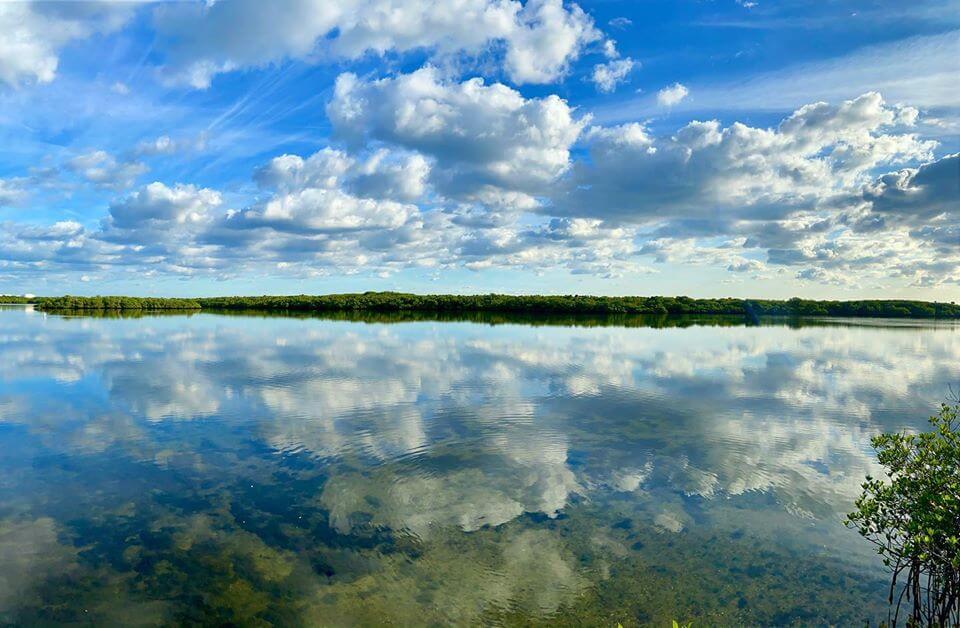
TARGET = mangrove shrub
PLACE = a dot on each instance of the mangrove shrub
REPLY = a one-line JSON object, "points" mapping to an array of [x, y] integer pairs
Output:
{"points": [[913, 517]]}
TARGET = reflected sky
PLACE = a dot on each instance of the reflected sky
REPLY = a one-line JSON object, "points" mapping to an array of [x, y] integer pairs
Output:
{"points": [[289, 470]]}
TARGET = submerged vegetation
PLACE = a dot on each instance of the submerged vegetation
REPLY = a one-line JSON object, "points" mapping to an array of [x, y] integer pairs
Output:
{"points": [[262, 552], [222, 471], [913, 517], [536, 304]]}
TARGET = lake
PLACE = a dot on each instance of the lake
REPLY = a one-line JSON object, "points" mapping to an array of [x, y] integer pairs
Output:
{"points": [[305, 471]]}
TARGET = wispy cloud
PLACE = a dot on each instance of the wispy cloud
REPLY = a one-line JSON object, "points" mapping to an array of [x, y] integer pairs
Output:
{"points": [[920, 70]]}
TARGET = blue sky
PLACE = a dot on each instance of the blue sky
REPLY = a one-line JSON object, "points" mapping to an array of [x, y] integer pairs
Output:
{"points": [[708, 148]]}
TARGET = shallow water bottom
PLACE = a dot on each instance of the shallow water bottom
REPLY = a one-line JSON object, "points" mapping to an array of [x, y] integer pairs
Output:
{"points": [[257, 471]]}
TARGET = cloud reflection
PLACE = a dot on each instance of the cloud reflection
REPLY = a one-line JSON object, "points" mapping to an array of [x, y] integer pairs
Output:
{"points": [[426, 425]]}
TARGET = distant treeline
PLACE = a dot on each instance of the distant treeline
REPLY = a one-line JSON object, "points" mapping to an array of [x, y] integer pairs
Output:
{"points": [[871, 308], [114, 303], [555, 305]]}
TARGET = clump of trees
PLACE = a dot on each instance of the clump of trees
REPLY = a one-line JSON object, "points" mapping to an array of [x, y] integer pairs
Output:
{"points": [[533, 304], [115, 303], [913, 517], [503, 303], [870, 308]]}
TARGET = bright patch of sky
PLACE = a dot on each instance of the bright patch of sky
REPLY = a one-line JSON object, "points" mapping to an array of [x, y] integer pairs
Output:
{"points": [[724, 148]]}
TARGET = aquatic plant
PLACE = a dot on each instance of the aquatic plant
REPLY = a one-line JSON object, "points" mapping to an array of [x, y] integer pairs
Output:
{"points": [[913, 517]]}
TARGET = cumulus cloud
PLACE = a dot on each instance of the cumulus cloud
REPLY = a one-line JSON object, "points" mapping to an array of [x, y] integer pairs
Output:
{"points": [[927, 193], [157, 227], [34, 33], [324, 169], [669, 96], [740, 172], [104, 170], [317, 210], [899, 225], [61, 230], [11, 191], [384, 174], [157, 203], [484, 138], [745, 265], [806, 191], [547, 38], [333, 211], [539, 38], [606, 76], [350, 212], [823, 276], [435, 174]]}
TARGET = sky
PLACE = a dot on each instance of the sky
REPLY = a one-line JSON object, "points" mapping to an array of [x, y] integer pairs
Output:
{"points": [[689, 147]]}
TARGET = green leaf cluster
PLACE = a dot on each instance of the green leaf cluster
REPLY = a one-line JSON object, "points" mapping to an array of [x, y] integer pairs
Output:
{"points": [[515, 304], [913, 517]]}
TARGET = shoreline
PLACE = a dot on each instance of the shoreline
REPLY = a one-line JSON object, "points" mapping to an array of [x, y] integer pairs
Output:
{"points": [[506, 304]]}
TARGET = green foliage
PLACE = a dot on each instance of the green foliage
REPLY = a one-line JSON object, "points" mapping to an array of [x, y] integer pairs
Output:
{"points": [[502, 303], [115, 303], [568, 304], [867, 309], [913, 517]]}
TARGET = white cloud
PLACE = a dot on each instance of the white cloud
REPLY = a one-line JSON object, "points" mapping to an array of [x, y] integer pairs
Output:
{"points": [[157, 224], [315, 210], [669, 96], [918, 195], [540, 38], [60, 230], [103, 169], [324, 169], [823, 276], [11, 191], [606, 76], [157, 202], [439, 174], [742, 265], [920, 70], [166, 145], [384, 174], [34, 33], [740, 172], [610, 49], [548, 37], [481, 136]]}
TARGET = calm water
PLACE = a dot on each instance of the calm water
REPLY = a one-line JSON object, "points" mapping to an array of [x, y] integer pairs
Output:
{"points": [[256, 470]]}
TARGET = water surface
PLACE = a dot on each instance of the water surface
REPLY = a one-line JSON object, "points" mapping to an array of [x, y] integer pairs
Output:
{"points": [[295, 470]]}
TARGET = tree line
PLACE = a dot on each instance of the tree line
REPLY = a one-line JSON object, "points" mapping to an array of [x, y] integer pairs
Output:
{"points": [[534, 304]]}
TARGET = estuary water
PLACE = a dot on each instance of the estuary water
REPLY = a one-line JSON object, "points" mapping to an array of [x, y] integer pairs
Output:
{"points": [[256, 470]]}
